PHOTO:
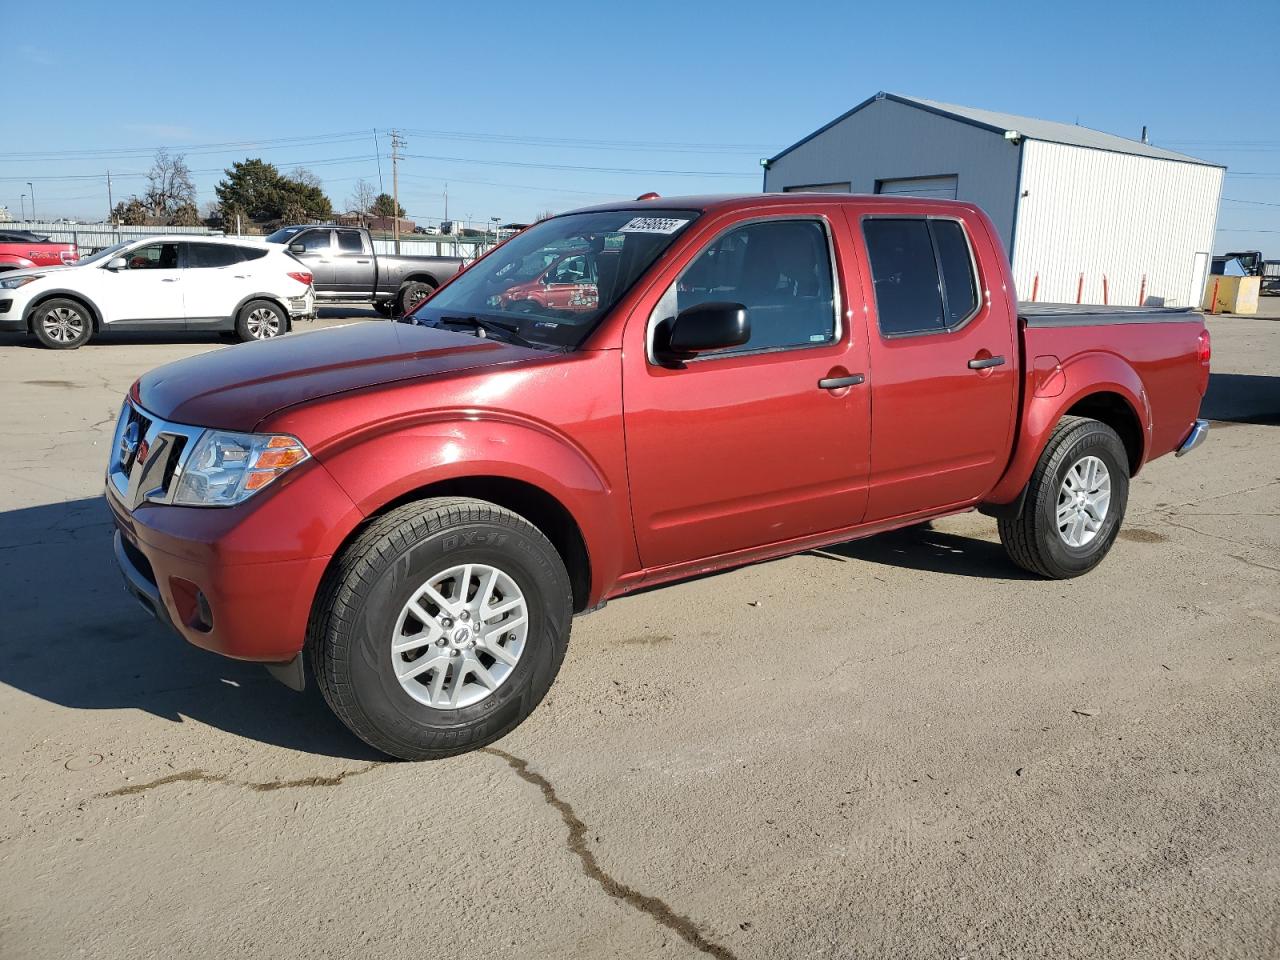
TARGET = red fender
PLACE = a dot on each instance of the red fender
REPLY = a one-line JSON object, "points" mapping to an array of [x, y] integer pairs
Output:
{"points": [[1082, 376]]}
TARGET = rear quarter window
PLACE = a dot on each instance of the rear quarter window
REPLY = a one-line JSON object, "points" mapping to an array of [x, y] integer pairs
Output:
{"points": [[923, 273], [252, 253]]}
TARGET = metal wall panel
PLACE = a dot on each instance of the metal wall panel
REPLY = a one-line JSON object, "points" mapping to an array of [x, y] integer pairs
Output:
{"points": [[1098, 213], [887, 140]]}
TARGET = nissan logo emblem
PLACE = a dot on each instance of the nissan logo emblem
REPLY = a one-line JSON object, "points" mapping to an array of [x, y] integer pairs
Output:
{"points": [[128, 443]]}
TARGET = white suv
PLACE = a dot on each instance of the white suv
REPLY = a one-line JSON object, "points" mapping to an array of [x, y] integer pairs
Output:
{"points": [[160, 283]]}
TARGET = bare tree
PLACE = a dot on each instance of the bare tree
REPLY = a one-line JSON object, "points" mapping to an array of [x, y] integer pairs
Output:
{"points": [[545, 215], [305, 177], [169, 186], [361, 200]]}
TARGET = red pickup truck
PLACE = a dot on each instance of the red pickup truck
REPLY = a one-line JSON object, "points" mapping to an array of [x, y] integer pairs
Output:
{"points": [[417, 510], [21, 250]]}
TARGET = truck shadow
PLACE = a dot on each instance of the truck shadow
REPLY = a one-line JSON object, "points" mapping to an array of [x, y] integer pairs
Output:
{"points": [[1242, 398], [923, 548], [73, 637]]}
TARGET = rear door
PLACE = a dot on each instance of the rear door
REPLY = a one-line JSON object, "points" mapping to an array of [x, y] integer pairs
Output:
{"points": [[214, 281], [353, 264], [740, 448], [944, 358]]}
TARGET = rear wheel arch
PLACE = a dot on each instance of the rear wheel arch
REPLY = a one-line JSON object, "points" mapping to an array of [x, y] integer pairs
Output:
{"points": [[1113, 409]]}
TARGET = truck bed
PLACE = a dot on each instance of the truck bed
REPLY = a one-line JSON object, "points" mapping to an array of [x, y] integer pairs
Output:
{"points": [[1087, 315]]}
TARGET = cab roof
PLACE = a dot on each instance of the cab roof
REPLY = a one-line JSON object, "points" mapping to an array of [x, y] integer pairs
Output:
{"points": [[718, 203]]}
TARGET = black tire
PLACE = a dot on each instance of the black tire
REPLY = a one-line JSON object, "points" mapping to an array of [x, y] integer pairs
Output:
{"points": [[1033, 540], [62, 324], [252, 321], [384, 308], [356, 613], [411, 291]]}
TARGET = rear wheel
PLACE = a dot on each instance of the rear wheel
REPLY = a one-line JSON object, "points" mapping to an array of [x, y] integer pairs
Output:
{"points": [[441, 627], [1075, 502], [261, 320], [62, 324], [412, 291]]}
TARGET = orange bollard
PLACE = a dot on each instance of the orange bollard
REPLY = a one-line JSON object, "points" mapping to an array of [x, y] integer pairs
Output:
{"points": [[1213, 302], [1035, 287], [1104, 290], [1080, 289], [1142, 291]]}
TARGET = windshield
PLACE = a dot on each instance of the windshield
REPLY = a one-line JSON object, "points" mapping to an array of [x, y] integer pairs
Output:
{"points": [[106, 253], [551, 284], [284, 233]]}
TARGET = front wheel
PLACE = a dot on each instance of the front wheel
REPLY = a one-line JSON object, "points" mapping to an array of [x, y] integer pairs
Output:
{"points": [[440, 628], [1075, 502], [62, 324]]}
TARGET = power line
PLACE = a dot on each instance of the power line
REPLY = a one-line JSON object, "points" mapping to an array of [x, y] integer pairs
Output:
{"points": [[583, 169], [655, 146], [195, 148]]}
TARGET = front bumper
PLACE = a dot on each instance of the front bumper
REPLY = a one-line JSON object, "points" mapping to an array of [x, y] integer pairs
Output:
{"points": [[1199, 433], [239, 580]]}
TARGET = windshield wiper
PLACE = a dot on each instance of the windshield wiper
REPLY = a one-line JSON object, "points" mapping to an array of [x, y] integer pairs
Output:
{"points": [[504, 331]]}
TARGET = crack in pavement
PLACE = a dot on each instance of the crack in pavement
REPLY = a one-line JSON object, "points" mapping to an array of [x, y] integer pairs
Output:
{"points": [[682, 926], [199, 776]]}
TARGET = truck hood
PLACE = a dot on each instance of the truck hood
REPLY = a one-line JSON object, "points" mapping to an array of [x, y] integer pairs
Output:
{"points": [[236, 387]]}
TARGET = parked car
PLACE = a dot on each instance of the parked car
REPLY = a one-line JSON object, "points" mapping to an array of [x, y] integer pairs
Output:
{"points": [[347, 269], [22, 250], [160, 283], [564, 281], [417, 510]]}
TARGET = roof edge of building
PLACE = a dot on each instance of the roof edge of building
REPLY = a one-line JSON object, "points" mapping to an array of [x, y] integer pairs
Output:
{"points": [[989, 127]]}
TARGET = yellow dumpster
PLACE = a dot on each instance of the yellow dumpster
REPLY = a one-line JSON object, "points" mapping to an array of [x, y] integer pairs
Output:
{"points": [[1231, 295]]}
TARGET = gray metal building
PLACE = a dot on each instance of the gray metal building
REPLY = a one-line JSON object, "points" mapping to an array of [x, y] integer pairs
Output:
{"points": [[1088, 216]]}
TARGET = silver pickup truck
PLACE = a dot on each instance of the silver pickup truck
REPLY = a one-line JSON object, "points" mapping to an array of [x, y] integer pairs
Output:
{"points": [[347, 269]]}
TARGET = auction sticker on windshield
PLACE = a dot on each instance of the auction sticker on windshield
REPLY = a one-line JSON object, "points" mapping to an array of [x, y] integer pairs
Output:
{"points": [[653, 225]]}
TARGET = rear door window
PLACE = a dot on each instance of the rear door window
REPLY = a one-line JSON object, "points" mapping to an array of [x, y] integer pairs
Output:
{"points": [[209, 255], [350, 241], [923, 274]]}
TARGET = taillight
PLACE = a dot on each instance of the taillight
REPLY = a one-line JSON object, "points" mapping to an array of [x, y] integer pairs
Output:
{"points": [[1206, 349], [303, 277]]}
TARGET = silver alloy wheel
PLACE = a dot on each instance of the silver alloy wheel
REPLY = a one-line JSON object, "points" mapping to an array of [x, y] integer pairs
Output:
{"points": [[263, 323], [460, 636], [63, 324], [1083, 501]]}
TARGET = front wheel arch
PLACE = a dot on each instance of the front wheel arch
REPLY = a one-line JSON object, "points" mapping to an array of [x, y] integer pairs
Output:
{"points": [[94, 317]]}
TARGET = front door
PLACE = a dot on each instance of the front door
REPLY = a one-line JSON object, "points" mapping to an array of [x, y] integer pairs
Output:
{"points": [[742, 447], [148, 289], [317, 254], [944, 358]]}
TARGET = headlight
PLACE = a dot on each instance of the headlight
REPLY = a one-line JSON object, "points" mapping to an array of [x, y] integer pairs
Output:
{"points": [[227, 468], [13, 283]]}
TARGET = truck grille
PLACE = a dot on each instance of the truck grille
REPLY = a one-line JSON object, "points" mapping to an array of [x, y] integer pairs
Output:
{"points": [[147, 456]]}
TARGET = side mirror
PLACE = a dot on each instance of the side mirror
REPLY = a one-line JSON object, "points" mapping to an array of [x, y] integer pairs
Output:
{"points": [[297, 248], [117, 263], [707, 326]]}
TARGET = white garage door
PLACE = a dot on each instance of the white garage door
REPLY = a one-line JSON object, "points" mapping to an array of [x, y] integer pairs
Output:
{"points": [[937, 188]]}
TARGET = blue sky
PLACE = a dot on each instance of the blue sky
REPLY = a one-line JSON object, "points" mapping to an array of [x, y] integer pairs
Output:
{"points": [[507, 103]]}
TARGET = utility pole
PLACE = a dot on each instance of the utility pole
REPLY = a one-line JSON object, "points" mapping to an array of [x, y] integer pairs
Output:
{"points": [[397, 142], [110, 206], [33, 199]]}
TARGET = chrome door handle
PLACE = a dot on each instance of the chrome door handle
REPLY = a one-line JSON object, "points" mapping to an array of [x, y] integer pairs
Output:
{"points": [[170, 279], [984, 364], [362, 261], [835, 383]]}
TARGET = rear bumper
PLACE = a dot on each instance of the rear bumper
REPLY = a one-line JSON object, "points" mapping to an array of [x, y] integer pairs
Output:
{"points": [[1199, 432]]}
